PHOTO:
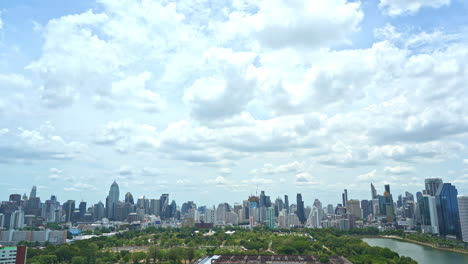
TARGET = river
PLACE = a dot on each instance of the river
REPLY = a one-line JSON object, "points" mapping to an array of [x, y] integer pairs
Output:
{"points": [[422, 254]]}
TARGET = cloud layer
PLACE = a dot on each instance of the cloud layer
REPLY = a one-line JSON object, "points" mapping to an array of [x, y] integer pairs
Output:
{"points": [[227, 97]]}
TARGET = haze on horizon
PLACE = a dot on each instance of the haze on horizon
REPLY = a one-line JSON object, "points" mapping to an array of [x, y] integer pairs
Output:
{"points": [[211, 101]]}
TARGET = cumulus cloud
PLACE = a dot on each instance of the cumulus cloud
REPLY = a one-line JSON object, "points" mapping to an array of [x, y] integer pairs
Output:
{"points": [[114, 43], [305, 178], [229, 89], [401, 7], [14, 81], [294, 166], [399, 169], [30, 145], [303, 24], [226, 89], [369, 176]]}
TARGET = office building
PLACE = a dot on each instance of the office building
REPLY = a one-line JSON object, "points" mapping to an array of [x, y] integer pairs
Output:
{"points": [[112, 199], [270, 217], [17, 219], [344, 197], [353, 207], [432, 185], [300, 209], [366, 208], [373, 191], [463, 211], [447, 211]]}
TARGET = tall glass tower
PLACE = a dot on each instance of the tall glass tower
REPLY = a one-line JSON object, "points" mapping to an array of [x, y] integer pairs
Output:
{"points": [[300, 209], [112, 200], [431, 185], [447, 211]]}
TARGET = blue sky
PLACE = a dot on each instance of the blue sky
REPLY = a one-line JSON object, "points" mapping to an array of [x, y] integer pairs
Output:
{"points": [[212, 100]]}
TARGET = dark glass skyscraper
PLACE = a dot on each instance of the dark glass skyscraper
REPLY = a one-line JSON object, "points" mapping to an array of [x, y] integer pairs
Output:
{"points": [[286, 203], [447, 210], [300, 209], [431, 185]]}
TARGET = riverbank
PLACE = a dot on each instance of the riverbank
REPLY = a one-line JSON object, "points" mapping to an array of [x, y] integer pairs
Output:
{"points": [[457, 250]]}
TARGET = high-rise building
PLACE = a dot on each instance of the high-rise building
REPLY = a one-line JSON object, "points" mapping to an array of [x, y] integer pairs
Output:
{"points": [[278, 206], [314, 218], [98, 211], [373, 191], [409, 196], [300, 209], [366, 208], [271, 218], [33, 193], [2, 221], [388, 204], [447, 210], [164, 205], [17, 219], [69, 208], [82, 208], [129, 198], [112, 199], [330, 209], [155, 207], [353, 207], [345, 197], [463, 210], [432, 185], [286, 203]]}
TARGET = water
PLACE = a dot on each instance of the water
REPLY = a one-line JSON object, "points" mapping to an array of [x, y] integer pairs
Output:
{"points": [[422, 254]]}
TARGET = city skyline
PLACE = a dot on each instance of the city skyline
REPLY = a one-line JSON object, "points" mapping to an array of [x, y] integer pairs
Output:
{"points": [[208, 100], [122, 196]]}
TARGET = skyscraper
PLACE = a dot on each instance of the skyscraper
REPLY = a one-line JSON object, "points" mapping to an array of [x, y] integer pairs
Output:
{"points": [[129, 198], [366, 207], [447, 210], [345, 197], [353, 208], [431, 186], [164, 204], [33, 193], [286, 203], [69, 208], [98, 211], [112, 199], [271, 218], [463, 210], [82, 208], [388, 201], [300, 209], [373, 191]]}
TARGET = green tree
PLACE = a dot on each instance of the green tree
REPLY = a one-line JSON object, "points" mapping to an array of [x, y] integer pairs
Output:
{"points": [[78, 260]]}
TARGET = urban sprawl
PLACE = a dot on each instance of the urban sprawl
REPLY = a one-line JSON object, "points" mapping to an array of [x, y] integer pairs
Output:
{"points": [[437, 209]]}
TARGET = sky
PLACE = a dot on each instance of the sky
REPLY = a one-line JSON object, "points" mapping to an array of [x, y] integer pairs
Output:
{"points": [[212, 101]]}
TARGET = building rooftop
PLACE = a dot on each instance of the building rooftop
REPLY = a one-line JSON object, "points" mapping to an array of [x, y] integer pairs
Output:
{"points": [[274, 259]]}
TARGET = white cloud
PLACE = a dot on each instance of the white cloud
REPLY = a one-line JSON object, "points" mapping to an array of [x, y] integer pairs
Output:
{"points": [[24, 145], [401, 7], [369, 177], [303, 24], [304, 179], [292, 167], [133, 91], [226, 90], [399, 169], [14, 81]]}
